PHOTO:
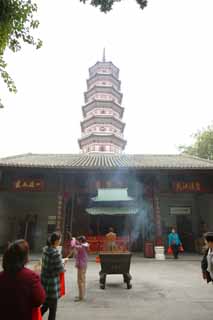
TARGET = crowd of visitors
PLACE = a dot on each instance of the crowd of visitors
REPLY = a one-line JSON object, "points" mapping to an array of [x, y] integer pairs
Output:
{"points": [[26, 295]]}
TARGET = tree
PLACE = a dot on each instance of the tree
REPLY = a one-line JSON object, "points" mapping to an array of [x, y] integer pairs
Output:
{"points": [[203, 144], [16, 22], [106, 5]]}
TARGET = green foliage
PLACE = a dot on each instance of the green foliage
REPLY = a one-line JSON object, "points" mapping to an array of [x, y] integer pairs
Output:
{"points": [[106, 5], [16, 22], [202, 146]]}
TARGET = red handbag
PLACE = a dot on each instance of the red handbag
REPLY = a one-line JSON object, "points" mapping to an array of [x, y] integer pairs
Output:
{"points": [[97, 259], [36, 314], [62, 284], [169, 250], [181, 248]]}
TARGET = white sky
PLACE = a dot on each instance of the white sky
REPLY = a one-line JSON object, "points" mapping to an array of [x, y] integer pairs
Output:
{"points": [[165, 56]]}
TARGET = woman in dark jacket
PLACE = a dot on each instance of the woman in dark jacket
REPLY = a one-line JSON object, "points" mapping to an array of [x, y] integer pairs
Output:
{"points": [[52, 266], [207, 261], [20, 288]]}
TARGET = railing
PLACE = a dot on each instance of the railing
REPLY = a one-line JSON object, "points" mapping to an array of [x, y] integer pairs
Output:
{"points": [[99, 243]]}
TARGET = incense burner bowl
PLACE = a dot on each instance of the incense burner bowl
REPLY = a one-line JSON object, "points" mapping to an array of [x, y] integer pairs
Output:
{"points": [[115, 263]]}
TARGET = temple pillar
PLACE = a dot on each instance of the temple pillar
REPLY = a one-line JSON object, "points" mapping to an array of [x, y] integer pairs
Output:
{"points": [[159, 247], [157, 217], [60, 206]]}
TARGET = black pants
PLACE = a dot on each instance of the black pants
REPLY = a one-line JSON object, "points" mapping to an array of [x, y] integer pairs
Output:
{"points": [[175, 250], [50, 304]]}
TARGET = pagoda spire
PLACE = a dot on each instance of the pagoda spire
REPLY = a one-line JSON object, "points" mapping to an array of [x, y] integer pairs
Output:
{"points": [[104, 56]]}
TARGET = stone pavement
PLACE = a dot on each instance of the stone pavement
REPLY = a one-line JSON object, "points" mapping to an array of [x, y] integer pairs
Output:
{"points": [[171, 289]]}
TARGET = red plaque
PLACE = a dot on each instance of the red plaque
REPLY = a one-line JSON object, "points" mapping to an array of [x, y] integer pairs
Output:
{"points": [[28, 185], [192, 186]]}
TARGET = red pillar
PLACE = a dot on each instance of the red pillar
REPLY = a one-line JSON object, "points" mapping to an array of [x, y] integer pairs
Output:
{"points": [[157, 215], [60, 206], [59, 217]]}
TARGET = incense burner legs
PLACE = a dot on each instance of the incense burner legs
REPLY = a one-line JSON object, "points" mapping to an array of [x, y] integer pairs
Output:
{"points": [[126, 278]]}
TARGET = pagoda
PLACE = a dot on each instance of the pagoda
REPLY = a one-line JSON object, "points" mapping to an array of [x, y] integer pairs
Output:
{"points": [[102, 127]]}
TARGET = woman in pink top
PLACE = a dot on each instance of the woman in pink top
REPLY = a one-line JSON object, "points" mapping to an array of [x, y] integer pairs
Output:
{"points": [[81, 248]]}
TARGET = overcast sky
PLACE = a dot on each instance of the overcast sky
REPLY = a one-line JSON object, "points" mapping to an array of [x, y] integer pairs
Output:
{"points": [[165, 56]]}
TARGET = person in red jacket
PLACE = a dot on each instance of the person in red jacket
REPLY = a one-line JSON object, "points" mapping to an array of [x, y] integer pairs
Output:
{"points": [[20, 288]]}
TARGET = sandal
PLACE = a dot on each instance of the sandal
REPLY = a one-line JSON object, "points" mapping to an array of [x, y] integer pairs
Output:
{"points": [[77, 299]]}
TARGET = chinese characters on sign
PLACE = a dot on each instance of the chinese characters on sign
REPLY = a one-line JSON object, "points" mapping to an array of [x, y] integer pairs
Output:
{"points": [[192, 186], [180, 210], [28, 185], [157, 217]]}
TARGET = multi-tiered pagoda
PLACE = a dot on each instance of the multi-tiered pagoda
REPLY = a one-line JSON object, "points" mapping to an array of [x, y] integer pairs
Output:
{"points": [[102, 127]]}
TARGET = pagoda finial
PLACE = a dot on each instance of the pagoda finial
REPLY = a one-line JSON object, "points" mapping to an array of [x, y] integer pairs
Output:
{"points": [[104, 56]]}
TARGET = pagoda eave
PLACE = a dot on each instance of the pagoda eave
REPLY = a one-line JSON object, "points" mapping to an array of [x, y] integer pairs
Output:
{"points": [[103, 75], [99, 138], [103, 90], [100, 63], [105, 104], [100, 120]]}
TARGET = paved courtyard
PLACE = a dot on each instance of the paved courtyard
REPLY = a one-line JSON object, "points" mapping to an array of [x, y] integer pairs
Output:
{"points": [[171, 289]]}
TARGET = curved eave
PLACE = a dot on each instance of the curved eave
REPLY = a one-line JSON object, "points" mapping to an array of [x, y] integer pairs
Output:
{"points": [[99, 136], [85, 123], [105, 63], [105, 103], [108, 75], [112, 211], [112, 91]]}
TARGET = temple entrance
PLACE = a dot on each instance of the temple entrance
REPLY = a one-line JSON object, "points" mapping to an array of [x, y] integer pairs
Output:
{"points": [[184, 229], [117, 222], [100, 225]]}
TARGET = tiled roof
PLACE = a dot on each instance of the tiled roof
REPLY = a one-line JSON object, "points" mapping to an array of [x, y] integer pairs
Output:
{"points": [[111, 211], [106, 161]]}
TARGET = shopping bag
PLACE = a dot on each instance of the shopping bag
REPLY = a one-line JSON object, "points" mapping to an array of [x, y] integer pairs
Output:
{"points": [[181, 248], [169, 250], [36, 314], [97, 259], [62, 284]]}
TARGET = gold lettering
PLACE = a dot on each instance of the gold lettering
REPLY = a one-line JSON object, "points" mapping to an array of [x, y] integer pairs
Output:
{"points": [[24, 184], [38, 183], [198, 188], [18, 184], [178, 186], [185, 186], [31, 184], [192, 186]]}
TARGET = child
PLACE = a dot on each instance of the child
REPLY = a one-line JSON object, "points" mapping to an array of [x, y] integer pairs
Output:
{"points": [[207, 261], [81, 248]]}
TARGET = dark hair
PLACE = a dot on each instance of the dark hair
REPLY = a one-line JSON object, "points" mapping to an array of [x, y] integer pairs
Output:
{"points": [[68, 235], [82, 239], [209, 236], [15, 256], [53, 238], [111, 229]]}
